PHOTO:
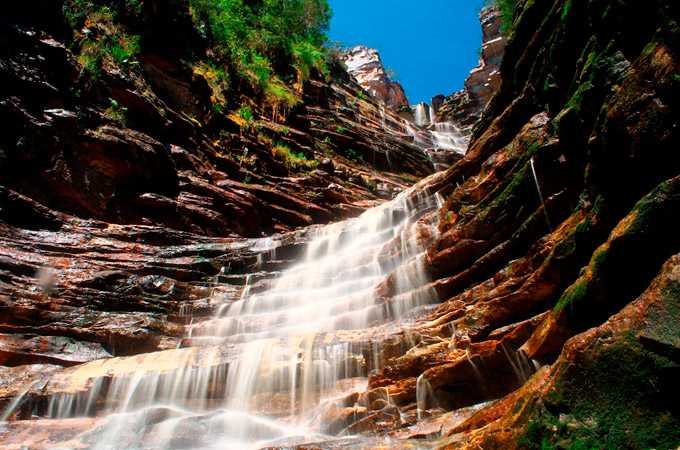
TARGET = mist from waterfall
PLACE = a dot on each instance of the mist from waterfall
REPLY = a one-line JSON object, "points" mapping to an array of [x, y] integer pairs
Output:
{"points": [[267, 366]]}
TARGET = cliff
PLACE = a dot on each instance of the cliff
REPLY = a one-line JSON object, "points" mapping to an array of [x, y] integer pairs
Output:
{"points": [[365, 65], [151, 145], [465, 107], [557, 263], [551, 251], [101, 177]]}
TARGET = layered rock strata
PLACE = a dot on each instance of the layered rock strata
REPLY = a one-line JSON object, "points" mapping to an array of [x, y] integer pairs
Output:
{"points": [[365, 65], [121, 196], [151, 148], [555, 263], [465, 107]]}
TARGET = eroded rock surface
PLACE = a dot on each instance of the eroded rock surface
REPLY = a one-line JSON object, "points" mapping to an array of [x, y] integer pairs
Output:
{"points": [[465, 107], [365, 65], [554, 259]]}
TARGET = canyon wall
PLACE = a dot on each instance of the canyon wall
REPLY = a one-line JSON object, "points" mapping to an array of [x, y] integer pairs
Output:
{"points": [[101, 177], [555, 259], [365, 65], [465, 107], [557, 264]]}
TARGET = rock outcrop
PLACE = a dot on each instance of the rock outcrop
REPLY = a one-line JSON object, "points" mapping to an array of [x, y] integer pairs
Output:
{"points": [[555, 257], [365, 65], [121, 195], [465, 107], [150, 149], [558, 218]]}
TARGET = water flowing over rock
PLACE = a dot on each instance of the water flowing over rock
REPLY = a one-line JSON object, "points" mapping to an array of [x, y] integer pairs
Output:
{"points": [[525, 297], [289, 342], [443, 142], [365, 65]]}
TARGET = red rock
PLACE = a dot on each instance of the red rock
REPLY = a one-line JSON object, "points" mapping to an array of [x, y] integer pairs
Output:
{"points": [[365, 65]]}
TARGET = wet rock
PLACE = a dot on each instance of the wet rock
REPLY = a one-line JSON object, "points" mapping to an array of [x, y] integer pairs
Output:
{"points": [[558, 216], [611, 366], [17, 350]]}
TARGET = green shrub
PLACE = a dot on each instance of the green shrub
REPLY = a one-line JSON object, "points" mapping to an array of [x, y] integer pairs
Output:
{"points": [[263, 46], [307, 57], [293, 161], [265, 41], [352, 154], [246, 114], [507, 9], [103, 41], [117, 112], [218, 80]]}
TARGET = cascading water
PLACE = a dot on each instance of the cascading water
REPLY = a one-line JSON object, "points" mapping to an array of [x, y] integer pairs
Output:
{"points": [[441, 142], [422, 115], [438, 140], [267, 366]]}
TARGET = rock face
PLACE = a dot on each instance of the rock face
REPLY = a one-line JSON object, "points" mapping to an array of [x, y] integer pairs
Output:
{"points": [[100, 176], [554, 256], [465, 107], [151, 150], [365, 65]]}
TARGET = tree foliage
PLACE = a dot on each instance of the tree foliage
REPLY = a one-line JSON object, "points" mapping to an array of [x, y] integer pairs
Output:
{"points": [[266, 45], [266, 41]]}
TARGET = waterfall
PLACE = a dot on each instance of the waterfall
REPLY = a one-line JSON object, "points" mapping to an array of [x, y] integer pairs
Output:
{"points": [[438, 140], [421, 115], [269, 363]]}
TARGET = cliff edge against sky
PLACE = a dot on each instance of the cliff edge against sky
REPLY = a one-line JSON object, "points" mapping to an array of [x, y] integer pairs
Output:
{"points": [[555, 260]]}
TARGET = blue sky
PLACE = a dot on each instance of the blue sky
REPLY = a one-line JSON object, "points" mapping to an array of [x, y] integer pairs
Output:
{"points": [[431, 44]]}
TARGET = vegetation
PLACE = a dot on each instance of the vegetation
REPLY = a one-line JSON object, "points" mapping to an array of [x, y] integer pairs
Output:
{"points": [[507, 9], [268, 43], [260, 47], [117, 112], [392, 74], [104, 42], [217, 78], [246, 115], [308, 57], [632, 414], [293, 161]]}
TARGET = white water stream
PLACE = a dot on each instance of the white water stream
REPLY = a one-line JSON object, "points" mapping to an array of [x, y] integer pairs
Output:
{"points": [[269, 368], [291, 349]]}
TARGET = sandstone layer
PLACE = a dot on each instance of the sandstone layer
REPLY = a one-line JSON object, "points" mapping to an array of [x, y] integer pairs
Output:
{"points": [[365, 65], [465, 107], [555, 261]]}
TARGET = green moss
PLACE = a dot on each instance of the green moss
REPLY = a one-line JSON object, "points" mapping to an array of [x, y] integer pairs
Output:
{"points": [[565, 12], [574, 294], [609, 402], [508, 9], [567, 246], [295, 162], [576, 100], [531, 438], [622, 396], [549, 83], [498, 208], [599, 261]]}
